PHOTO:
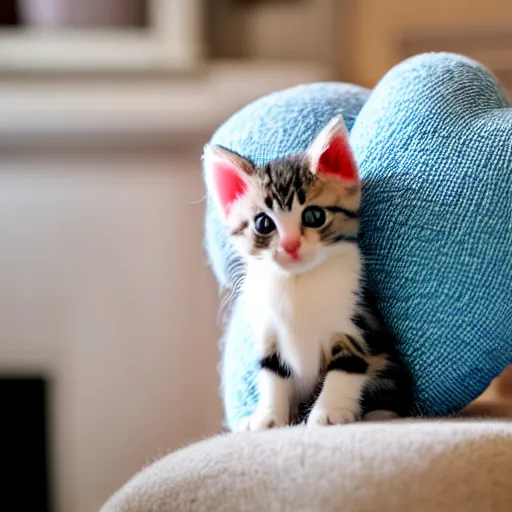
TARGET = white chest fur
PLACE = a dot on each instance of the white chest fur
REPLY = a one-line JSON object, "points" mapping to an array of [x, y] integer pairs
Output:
{"points": [[301, 312]]}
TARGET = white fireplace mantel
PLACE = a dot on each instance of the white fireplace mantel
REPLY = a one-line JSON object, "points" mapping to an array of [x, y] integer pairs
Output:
{"points": [[36, 113]]}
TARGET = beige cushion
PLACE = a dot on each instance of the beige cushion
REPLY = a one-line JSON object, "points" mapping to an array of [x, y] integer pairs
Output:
{"points": [[395, 466]]}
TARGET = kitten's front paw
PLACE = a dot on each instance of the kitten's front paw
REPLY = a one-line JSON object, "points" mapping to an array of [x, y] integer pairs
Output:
{"points": [[263, 419], [321, 416]]}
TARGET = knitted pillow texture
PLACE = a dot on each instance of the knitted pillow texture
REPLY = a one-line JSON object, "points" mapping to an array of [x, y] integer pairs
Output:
{"points": [[434, 145]]}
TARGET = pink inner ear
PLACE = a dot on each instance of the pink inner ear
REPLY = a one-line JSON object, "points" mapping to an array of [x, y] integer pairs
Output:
{"points": [[229, 184], [337, 160]]}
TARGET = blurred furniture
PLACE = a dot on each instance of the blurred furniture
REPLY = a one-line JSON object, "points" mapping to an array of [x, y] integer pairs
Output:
{"points": [[504, 384], [381, 34], [58, 37], [269, 30], [8, 13], [82, 13], [497, 399], [405, 465]]}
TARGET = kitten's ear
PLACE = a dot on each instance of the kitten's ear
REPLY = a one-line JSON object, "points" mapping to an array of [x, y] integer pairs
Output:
{"points": [[227, 176], [330, 154]]}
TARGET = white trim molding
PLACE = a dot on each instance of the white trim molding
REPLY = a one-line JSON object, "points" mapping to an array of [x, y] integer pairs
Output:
{"points": [[94, 113]]}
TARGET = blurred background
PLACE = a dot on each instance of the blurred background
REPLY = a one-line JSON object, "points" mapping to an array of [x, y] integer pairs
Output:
{"points": [[108, 351]]}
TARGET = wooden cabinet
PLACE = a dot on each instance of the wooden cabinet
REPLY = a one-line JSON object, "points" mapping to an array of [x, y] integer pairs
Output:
{"points": [[381, 34]]}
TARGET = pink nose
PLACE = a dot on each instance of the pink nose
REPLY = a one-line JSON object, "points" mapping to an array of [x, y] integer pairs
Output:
{"points": [[291, 245]]}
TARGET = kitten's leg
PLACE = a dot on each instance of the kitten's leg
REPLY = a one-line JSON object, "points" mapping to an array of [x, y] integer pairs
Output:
{"points": [[345, 379], [388, 395], [274, 381]]}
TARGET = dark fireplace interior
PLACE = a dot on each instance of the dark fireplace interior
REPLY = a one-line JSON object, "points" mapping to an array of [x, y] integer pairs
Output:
{"points": [[24, 443], [8, 12]]}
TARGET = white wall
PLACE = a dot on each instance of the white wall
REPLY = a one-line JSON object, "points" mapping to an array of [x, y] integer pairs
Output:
{"points": [[104, 287]]}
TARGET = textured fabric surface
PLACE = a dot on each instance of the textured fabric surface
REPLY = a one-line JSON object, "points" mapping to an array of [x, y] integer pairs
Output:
{"points": [[434, 143], [397, 466]]}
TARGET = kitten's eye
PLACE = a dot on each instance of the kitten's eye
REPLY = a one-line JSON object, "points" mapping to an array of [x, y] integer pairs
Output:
{"points": [[263, 224], [313, 217]]}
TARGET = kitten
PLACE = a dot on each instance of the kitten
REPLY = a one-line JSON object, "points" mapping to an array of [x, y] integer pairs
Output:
{"points": [[294, 222]]}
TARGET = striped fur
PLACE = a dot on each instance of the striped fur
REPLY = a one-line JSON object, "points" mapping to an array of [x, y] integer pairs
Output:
{"points": [[284, 184]]}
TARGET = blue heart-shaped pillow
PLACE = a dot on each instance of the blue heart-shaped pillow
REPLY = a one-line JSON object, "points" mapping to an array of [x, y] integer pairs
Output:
{"points": [[434, 143]]}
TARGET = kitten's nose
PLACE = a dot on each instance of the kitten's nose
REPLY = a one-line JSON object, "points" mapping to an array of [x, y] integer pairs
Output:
{"points": [[291, 246]]}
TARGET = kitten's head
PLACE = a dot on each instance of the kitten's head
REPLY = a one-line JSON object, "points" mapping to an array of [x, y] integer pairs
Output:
{"points": [[295, 212]]}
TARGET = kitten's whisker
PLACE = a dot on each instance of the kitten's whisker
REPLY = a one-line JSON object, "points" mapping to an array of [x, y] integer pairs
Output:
{"points": [[202, 200]]}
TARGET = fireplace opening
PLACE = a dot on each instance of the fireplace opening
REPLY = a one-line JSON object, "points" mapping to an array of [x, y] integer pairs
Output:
{"points": [[24, 443]]}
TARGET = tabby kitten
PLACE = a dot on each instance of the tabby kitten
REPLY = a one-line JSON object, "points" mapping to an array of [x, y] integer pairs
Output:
{"points": [[295, 223]]}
